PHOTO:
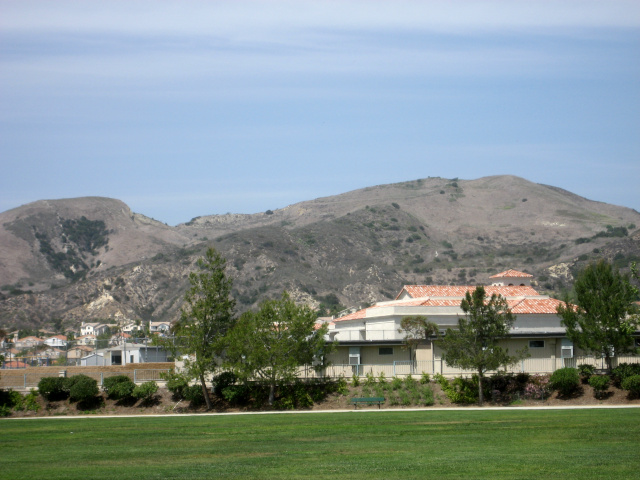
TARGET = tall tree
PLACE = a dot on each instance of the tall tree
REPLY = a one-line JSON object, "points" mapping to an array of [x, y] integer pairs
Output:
{"points": [[206, 317], [475, 344], [270, 344], [601, 321], [416, 329]]}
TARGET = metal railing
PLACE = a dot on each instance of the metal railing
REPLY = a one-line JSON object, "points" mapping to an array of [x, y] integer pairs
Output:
{"points": [[26, 380]]}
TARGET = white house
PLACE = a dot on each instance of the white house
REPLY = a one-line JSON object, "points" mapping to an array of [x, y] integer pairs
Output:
{"points": [[371, 340], [57, 341], [159, 327], [133, 353], [93, 328]]}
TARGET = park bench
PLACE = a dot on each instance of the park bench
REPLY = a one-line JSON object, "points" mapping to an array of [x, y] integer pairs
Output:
{"points": [[367, 401]]}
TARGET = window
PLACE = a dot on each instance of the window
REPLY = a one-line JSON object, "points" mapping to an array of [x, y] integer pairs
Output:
{"points": [[385, 351], [536, 343]]}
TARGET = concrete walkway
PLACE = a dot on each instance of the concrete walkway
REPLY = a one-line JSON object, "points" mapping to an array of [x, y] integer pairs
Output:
{"points": [[371, 410]]}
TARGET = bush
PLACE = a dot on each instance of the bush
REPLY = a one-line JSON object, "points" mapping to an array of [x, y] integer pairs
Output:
{"points": [[146, 391], [82, 388], [565, 380], [118, 387], [31, 401], [176, 384], [193, 393], [599, 383], [222, 381], [632, 385], [424, 378], [459, 390], [53, 388], [624, 370], [586, 371], [342, 388]]}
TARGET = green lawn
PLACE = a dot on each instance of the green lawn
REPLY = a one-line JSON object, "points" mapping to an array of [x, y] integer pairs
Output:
{"points": [[567, 444]]}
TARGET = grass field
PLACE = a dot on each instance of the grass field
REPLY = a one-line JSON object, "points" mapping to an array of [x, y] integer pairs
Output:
{"points": [[567, 444]]}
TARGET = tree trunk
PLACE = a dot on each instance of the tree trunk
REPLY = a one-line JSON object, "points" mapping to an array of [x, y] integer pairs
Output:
{"points": [[480, 393], [205, 392], [272, 393], [608, 360]]}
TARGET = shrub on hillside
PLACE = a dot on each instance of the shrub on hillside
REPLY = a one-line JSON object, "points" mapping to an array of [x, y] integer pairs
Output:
{"points": [[624, 370], [176, 384], [82, 388], [600, 384], [632, 385], [586, 371], [118, 387], [222, 381], [146, 391], [53, 388], [565, 380]]}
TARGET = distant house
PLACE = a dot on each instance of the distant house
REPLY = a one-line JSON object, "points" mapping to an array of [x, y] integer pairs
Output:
{"points": [[28, 342], [133, 353], [57, 341], [76, 353], [93, 328], [119, 338], [89, 339], [131, 328], [159, 327]]}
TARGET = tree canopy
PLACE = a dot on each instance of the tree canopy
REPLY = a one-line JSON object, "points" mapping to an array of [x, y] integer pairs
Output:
{"points": [[270, 344], [206, 317], [602, 319], [475, 344]]}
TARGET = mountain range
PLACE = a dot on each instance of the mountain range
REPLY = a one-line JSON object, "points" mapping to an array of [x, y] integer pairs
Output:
{"points": [[72, 260]]}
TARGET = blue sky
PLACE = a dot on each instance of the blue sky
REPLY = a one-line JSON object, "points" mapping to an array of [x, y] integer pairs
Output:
{"points": [[193, 108]]}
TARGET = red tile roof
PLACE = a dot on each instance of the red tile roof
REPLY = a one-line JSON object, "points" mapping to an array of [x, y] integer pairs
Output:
{"points": [[534, 305], [420, 291], [511, 273]]}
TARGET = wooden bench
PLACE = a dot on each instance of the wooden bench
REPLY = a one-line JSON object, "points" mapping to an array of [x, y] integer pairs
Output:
{"points": [[367, 401]]}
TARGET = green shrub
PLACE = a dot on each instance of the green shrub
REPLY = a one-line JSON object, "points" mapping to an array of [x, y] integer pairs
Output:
{"points": [[11, 399], [459, 390], [355, 380], [624, 370], [146, 391], [176, 384], [82, 388], [586, 371], [193, 393], [237, 394], [427, 396], [632, 385], [410, 383], [5, 411], [424, 378], [118, 387], [31, 401], [565, 380], [396, 383], [343, 388], [53, 388], [599, 383], [222, 381], [370, 380]]}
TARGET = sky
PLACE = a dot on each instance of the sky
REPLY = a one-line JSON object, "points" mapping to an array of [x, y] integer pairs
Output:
{"points": [[190, 108]]}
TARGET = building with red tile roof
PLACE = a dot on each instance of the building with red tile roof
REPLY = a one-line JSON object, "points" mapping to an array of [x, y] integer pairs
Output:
{"points": [[372, 335]]}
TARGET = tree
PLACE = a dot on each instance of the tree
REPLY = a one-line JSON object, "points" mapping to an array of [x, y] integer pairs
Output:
{"points": [[205, 319], [270, 344], [416, 329], [475, 344], [601, 321]]}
